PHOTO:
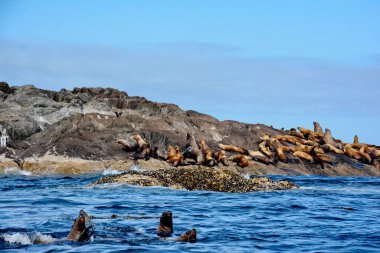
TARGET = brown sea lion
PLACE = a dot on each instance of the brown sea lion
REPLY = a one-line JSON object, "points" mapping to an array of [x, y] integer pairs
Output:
{"points": [[188, 236], [263, 147], [303, 148], [241, 160], [144, 150], [209, 160], [351, 152], [304, 155], [365, 155], [174, 156], [331, 148], [192, 150], [294, 132], [374, 153], [304, 130], [220, 156], [356, 139], [158, 154], [319, 150], [79, 231], [232, 148], [278, 148], [317, 127], [129, 145], [165, 229], [259, 157], [288, 138], [324, 158], [289, 149]]}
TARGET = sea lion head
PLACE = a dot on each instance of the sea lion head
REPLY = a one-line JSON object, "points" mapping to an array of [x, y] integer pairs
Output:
{"points": [[166, 220], [165, 229], [189, 236]]}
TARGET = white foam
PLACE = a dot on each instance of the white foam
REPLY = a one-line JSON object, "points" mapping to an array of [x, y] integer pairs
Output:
{"points": [[17, 238], [27, 239], [16, 171], [43, 239], [136, 168], [107, 172]]}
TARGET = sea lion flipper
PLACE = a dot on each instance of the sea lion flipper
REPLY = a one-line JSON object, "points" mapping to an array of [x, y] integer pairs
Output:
{"points": [[87, 234]]}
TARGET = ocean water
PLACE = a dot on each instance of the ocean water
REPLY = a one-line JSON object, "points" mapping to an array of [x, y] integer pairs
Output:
{"points": [[326, 214]]}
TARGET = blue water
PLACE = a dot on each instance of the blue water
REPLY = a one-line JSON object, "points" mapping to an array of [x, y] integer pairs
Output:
{"points": [[325, 215]]}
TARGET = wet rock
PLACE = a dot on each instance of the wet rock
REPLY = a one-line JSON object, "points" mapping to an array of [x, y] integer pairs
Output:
{"points": [[207, 179]]}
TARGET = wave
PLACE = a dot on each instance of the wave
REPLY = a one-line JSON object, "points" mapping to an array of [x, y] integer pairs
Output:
{"points": [[27, 239], [108, 172], [16, 172]]}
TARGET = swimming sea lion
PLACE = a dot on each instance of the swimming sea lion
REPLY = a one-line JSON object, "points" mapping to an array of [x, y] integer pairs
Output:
{"points": [[241, 160], [79, 232], [165, 229], [188, 236], [317, 127], [304, 155], [232, 148]]}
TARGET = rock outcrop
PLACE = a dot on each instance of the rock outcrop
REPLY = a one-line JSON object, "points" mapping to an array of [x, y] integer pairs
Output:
{"points": [[207, 179], [82, 124]]}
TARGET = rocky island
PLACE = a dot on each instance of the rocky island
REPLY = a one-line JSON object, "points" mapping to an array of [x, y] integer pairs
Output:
{"points": [[79, 131]]}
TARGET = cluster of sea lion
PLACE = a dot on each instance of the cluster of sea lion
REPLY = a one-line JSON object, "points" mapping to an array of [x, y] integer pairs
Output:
{"points": [[82, 233], [305, 144]]}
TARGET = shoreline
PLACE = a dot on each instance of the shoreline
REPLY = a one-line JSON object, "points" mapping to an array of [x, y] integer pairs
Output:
{"points": [[64, 165]]}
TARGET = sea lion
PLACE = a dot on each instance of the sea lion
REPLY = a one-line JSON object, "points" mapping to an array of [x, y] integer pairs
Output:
{"points": [[331, 148], [241, 160], [175, 158], [278, 148], [304, 130], [165, 229], [294, 132], [290, 149], [365, 155], [209, 160], [127, 144], [232, 148], [374, 153], [288, 138], [317, 127], [192, 150], [356, 139], [259, 157], [304, 155], [79, 232], [325, 158], [157, 154], [263, 147], [351, 152], [144, 150], [303, 148], [220, 156], [188, 236]]}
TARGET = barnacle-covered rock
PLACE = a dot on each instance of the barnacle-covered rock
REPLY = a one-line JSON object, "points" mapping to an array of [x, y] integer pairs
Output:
{"points": [[207, 179]]}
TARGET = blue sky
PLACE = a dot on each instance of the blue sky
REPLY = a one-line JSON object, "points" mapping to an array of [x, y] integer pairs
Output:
{"points": [[282, 63]]}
